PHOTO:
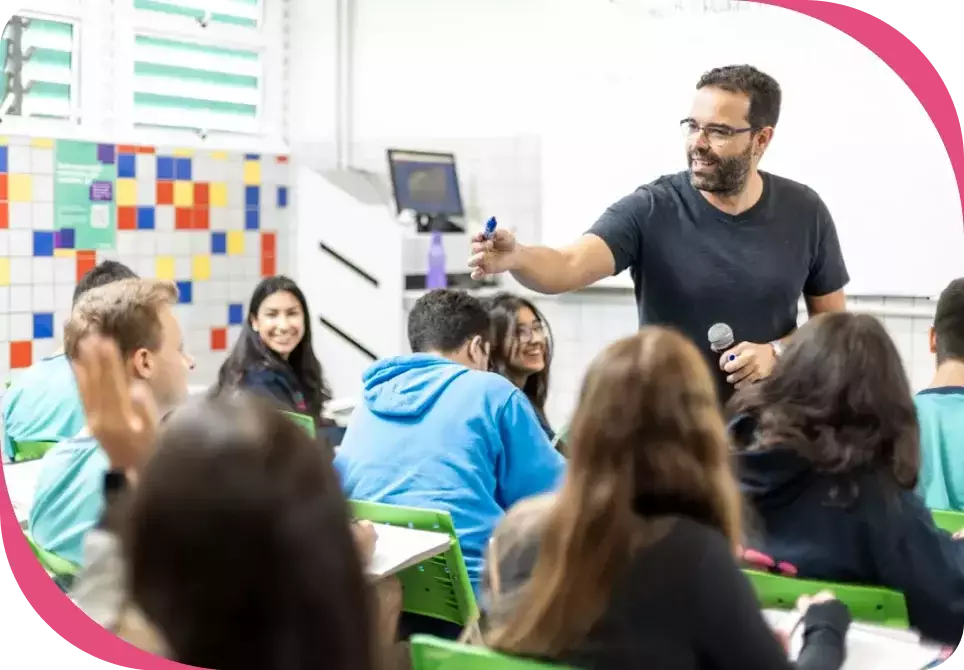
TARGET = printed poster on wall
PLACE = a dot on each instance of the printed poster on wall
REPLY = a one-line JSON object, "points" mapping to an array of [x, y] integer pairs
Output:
{"points": [[84, 181]]}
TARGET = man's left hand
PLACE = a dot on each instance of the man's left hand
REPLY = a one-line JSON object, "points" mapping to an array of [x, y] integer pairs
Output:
{"points": [[750, 363]]}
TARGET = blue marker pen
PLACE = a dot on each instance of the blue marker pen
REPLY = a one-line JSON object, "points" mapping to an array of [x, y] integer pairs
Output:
{"points": [[490, 228]]}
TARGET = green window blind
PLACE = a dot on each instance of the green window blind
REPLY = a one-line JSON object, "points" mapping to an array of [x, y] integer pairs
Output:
{"points": [[182, 84], [243, 13], [38, 68]]}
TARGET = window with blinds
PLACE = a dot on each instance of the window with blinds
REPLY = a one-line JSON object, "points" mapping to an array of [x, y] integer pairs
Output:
{"points": [[184, 84], [40, 73], [242, 13]]}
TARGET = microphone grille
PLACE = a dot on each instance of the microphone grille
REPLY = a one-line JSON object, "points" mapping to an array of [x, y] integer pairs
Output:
{"points": [[720, 336]]}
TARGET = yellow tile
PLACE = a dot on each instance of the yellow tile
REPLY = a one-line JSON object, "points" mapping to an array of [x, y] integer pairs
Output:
{"points": [[4, 272], [252, 173], [65, 253], [218, 194], [201, 268], [4, 141], [183, 193], [41, 143], [164, 267], [19, 188], [126, 192], [235, 242], [184, 153], [219, 155]]}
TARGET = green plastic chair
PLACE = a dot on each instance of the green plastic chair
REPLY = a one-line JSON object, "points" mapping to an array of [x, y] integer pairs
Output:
{"points": [[438, 587], [52, 563], [431, 653], [30, 451], [948, 520], [870, 604], [302, 420]]}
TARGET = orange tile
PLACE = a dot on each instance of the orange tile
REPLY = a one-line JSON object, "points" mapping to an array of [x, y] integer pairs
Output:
{"points": [[126, 149], [268, 243], [268, 265], [184, 218], [165, 193], [3, 187], [202, 193], [4, 215], [86, 261], [146, 150], [219, 339], [21, 355], [126, 218], [202, 218]]}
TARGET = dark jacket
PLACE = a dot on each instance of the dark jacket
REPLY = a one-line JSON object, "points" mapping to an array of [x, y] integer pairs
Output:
{"points": [[858, 527], [282, 386]]}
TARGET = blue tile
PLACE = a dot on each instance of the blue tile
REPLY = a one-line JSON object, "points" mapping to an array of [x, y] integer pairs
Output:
{"points": [[282, 196], [145, 218], [106, 153], [165, 168], [219, 243], [184, 292], [43, 326], [3, 160], [252, 196], [64, 238], [252, 219], [182, 169], [252, 157], [235, 315], [43, 243], [126, 166]]}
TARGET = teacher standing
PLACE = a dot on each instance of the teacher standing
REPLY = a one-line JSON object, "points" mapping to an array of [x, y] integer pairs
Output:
{"points": [[720, 242]]}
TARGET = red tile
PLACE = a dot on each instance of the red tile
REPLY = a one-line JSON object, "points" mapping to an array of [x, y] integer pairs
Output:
{"points": [[126, 149], [202, 218], [165, 193], [4, 215], [202, 193], [146, 150], [282, 159], [219, 339], [21, 354], [268, 243], [184, 218], [268, 266], [3, 187], [126, 218], [86, 261]]}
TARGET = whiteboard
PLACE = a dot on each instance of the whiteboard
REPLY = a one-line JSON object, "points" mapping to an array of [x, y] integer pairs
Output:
{"points": [[849, 128]]}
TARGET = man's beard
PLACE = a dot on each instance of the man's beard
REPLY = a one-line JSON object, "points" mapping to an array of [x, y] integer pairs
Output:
{"points": [[724, 176]]}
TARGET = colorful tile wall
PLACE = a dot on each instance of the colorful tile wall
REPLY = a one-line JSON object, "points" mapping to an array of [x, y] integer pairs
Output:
{"points": [[213, 222]]}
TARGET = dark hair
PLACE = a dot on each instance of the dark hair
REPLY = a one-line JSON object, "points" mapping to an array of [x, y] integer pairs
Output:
{"points": [[503, 312], [839, 395], [239, 545], [762, 90], [443, 320], [949, 322], [105, 273], [250, 351]]}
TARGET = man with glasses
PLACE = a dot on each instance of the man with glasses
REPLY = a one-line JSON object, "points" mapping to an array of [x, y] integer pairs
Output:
{"points": [[719, 242]]}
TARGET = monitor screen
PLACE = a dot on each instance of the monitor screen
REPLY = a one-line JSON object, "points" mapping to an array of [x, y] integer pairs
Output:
{"points": [[425, 182]]}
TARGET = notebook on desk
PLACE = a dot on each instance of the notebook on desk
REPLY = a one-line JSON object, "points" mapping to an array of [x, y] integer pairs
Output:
{"points": [[397, 548], [870, 646]]}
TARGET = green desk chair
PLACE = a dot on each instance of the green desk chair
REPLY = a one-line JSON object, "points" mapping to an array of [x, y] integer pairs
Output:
{"points": [[302, 420], [948, 520], [438, 587], [430, 653], [60, 568], [30, 451], [869, 604]]}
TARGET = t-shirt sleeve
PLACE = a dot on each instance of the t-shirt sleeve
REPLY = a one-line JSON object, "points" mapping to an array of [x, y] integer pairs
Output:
{"points": [[828, 271], [528, 465], [621, 227]]}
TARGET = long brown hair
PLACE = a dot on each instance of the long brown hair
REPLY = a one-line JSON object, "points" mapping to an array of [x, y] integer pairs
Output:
{"points": [[647, 440], [840, 396]]}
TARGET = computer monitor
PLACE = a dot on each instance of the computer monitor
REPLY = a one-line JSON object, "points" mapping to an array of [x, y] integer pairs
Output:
{"points": [[425, 182]]}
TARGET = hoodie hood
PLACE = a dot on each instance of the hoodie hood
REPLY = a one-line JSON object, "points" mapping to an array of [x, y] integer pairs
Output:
{"points": [[408, 386], [774, 477]]}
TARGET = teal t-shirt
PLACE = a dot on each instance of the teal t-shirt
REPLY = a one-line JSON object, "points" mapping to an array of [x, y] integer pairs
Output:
{"points": [[940, 412], [42, 405], [69, 498]]}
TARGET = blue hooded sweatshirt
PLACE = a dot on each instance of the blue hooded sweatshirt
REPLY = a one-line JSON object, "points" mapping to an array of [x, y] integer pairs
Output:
{"points": [[435, 434], [857, 527]]}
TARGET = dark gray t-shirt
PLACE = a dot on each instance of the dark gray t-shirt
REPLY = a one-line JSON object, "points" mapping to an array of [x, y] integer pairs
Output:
{"points": [[694, 265]]}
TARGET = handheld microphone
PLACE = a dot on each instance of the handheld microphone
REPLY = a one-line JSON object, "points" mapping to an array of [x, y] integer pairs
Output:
{"points": [[720, 336]]}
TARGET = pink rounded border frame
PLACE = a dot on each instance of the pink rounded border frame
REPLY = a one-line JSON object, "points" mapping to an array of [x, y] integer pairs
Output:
{"points": [[898, 52]]}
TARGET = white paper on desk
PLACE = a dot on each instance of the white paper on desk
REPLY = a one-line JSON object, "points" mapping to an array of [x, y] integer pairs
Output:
{"points": [[398, 548], [870, 646], [21, 482]]}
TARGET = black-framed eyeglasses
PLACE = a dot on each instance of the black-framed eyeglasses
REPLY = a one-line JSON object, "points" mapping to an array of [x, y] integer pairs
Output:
{"points": [[716, 133]]}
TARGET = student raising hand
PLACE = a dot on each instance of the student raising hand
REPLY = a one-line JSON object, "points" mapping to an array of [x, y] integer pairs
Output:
{"points": [[121, 413]]}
